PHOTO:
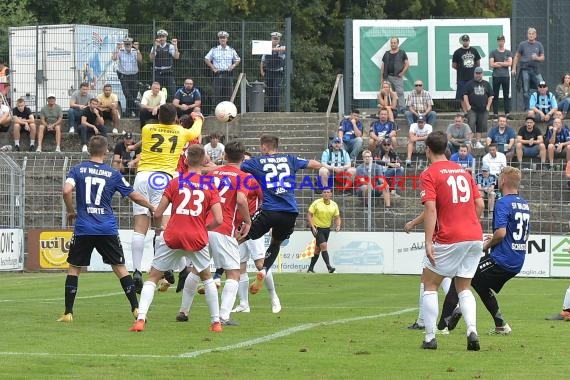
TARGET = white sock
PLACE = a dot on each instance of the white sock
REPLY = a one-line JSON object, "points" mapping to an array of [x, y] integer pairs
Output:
{"points": [[137, 249], [270, 284], [420, 319], [211, 292], [228, 298], [243, 290], [445, 284], [566, 304], [431, 308], [147, 294], [32, 142], [16, 142], [188, 292], [469, 310]]}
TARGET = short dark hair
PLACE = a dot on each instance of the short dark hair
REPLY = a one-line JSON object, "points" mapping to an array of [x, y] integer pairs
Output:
{"points": [[463, 146], [167, 113], [234, 151], [492, 145], [271, 141], [98, 145], [437, 142], [107, 85], [195, 155], [84, 84], [355, 110], [186, 121], [214, 135]]}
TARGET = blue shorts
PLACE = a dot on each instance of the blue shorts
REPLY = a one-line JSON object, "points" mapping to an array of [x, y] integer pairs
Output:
{"points": [[530, 151]]}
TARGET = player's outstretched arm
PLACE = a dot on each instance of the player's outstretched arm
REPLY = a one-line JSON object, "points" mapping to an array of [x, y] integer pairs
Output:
{"points": [[140, 199], [314, 164]]}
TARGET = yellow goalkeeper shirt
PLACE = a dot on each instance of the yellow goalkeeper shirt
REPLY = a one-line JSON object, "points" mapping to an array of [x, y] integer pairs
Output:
{"points": [[161, 145], [323, 214]]}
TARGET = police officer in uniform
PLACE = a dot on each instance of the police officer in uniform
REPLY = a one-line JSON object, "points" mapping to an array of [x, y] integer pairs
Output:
{"points": [[272, 69], [163, 55], [128, 72], [222, 60]]}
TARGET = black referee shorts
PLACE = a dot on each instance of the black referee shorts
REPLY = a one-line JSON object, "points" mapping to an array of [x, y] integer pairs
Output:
{"points": [[489, 275], [108, 246], [322, 235], [281, 223]]}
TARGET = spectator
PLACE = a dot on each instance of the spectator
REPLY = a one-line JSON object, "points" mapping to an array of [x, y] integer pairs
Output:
{"points": [[465, 60], [486, 184], [464, 158], [500, 60], [128, 72], [394, 66], [563, 95], [350, 132], [372, 170], [530, 142], [24, 121], [215, 149], [150, 103], [126, 161], [381, 129], [557, 141], [529, 53], [334, 160], [222, 60], [4, 79], [5, 118], [542, 104], [77, 103], [92, 124], [417, 138], [504, 137], [163, 55], [187, 99], [388, 157], [388, 99], [109, 106], [51, 118], [458, 133], [495, 160], [272, 68], [419, 102], [477, 98]]}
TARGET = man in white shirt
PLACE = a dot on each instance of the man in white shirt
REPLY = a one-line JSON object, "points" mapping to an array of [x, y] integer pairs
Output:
{"points": [[215, 149], [495, 160], [417, 137], [150, 103]]}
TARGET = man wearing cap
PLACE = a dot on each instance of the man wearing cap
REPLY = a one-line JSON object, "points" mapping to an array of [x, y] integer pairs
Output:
{"points": [[272, 68], [124, 161], [530, 142], [51, 118], [417, 136], [334, 160], [393, 68], [500, 60], [163, 55], [529, 54], [542, 104], [465, 60], [128, 72], [486, 184], [478, 96], [222, 60]]}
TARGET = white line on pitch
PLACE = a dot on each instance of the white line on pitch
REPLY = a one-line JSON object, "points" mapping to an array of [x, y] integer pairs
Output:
{"points": [[247, 343], [61, 298]]}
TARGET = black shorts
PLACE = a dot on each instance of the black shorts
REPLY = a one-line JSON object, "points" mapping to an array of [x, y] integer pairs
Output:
{"points": [[107, 115], [489, 275], [108, 246], [322, 235], [282, 223]]}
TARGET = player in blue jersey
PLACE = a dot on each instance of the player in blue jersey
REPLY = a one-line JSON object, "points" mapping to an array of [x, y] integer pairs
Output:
{"points": [[275, 172], [95, 184], [511, 221]]}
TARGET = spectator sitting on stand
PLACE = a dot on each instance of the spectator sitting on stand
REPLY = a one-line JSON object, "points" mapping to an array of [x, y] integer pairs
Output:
{"points": [[495, 160], [24, 122], [5, 118], [458, 133], [388, 99], [381, 129], [372, 170], [151, 101], [109, 106], [350, 132], [530, 142], [464, 158], [187, 99], [124, 160], [77, 103], [387, 156], [419, 102], [542, 104], [486, 184], [215, 149], [563, 95], [418, 134], [557, 141], [503, 136], [334, 160], [92, 124], [51, 118]]}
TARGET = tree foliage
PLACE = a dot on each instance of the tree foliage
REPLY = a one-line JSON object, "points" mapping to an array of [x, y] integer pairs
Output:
{"points": [[318, 25]]}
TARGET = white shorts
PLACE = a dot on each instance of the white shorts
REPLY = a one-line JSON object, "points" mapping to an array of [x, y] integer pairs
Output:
{"points": [[458, 259], [166, 258], [252, 249], [224, 250], [153, 195]]}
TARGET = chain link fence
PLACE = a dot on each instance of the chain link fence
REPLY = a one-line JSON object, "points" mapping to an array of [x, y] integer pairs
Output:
{"points": [[12, 192]]}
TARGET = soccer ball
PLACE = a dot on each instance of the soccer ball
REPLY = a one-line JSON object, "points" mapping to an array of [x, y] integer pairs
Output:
{"points": [[226, 111]]}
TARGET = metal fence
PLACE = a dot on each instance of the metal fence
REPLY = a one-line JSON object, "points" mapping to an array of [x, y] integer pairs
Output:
{"points": [[56, 59], [12, 192]]}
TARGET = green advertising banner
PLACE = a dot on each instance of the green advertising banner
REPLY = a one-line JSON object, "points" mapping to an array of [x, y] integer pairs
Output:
{"points": [[429, 45]]}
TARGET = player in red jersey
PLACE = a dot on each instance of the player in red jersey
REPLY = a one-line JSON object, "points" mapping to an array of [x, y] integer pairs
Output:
{"points": [[233, 187], [195, 208], [453, 249]]}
